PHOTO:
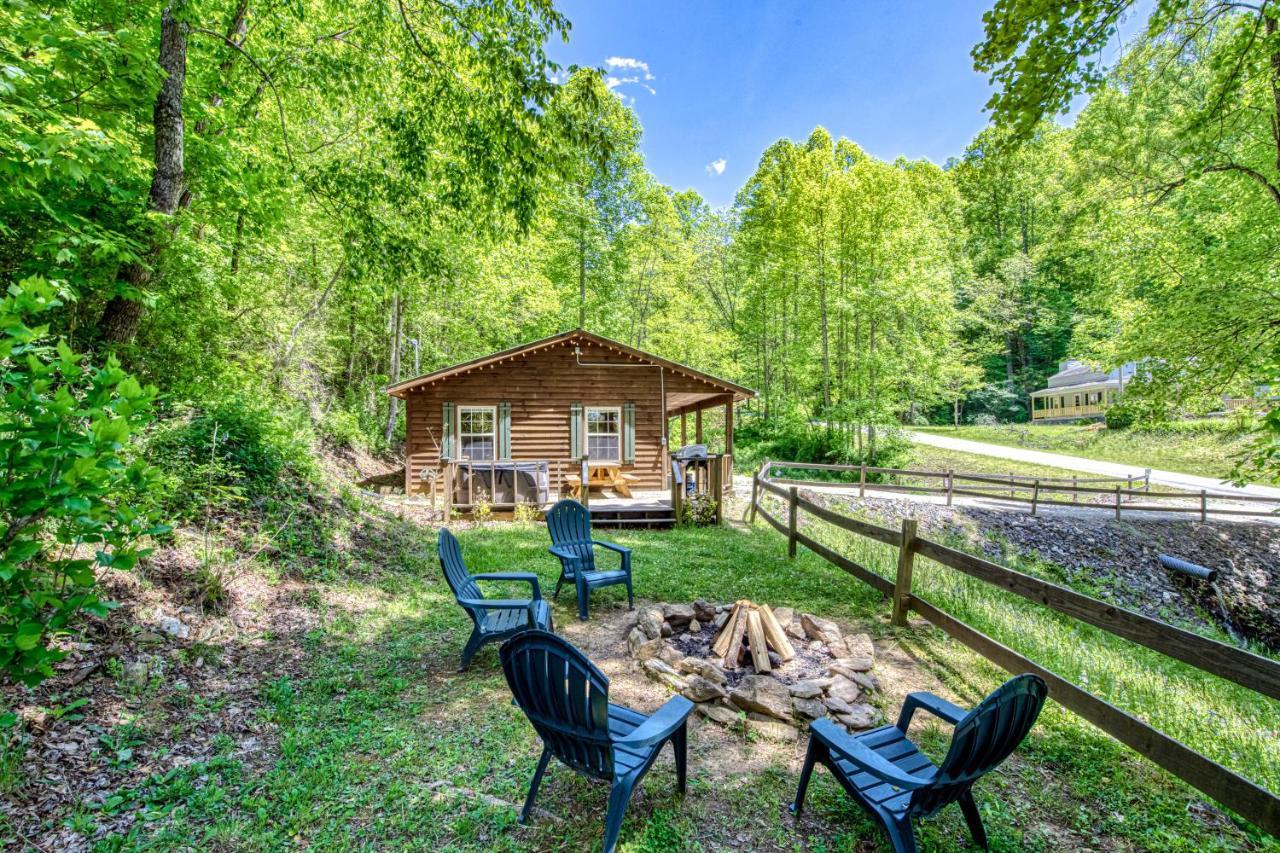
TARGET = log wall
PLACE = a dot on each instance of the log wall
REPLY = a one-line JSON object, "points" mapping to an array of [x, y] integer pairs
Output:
{"points": [[541, 386]]}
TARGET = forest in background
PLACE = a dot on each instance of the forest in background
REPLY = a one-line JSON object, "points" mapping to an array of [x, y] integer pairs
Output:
{"points": [[347, 197], [226, 227]]}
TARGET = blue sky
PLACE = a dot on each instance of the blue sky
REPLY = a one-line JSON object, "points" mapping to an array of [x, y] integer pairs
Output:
{"points": [[718, 81]]}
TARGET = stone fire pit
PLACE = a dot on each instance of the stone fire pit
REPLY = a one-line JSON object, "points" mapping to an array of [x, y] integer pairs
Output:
{"points": [[830, 674]]}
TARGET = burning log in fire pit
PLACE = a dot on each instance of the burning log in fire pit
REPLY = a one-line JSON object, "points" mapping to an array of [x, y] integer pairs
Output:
{"points": [[751, 628]]}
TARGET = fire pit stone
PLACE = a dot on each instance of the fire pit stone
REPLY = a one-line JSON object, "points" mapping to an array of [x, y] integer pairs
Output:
{"points": [[687, 649]]}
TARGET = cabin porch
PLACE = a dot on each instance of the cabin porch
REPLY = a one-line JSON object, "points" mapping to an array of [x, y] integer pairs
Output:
{"points": [[503, 486]]}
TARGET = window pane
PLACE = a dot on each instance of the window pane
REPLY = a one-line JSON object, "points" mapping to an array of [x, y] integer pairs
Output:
{"points": [[476, 421], [477, 449], [603, 447], [602, 422]]}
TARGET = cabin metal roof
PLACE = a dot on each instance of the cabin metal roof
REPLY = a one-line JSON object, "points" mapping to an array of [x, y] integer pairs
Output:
{"points": [[572, 337]]}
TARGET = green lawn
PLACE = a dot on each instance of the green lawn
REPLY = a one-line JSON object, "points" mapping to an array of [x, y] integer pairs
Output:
{"points": [[1204, 447], [379, 720]]}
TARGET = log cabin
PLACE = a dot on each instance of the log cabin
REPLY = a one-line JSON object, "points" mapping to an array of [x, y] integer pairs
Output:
{"points": [[525, 425]]}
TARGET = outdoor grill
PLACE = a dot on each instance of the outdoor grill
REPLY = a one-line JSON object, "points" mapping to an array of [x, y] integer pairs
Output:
{"points": [[685, 459], [691, 453]]}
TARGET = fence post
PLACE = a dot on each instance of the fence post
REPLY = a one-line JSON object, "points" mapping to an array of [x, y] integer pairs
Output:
{"points": [[1035, 496], [906, 561], [1075, 496], [1117, 503], [951, 484], [1011, 484], [862, 482], [793, 499], [755, 496], [1204, 508], [1146, 481]]}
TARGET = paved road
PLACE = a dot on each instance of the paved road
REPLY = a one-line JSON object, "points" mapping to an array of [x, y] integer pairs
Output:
{"points": [[1189, 482]]}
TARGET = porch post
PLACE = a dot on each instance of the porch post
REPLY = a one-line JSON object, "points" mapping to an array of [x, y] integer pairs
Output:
{"points": [[697, 426], [728, 444], [684, 428], [728, 427]]}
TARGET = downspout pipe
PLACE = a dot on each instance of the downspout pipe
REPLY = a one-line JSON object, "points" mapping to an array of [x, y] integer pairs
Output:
{"points": [[662, 391]]}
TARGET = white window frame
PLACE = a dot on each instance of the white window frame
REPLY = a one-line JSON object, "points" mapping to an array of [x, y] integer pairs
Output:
{"points": [[492, 435], [586, 433]]}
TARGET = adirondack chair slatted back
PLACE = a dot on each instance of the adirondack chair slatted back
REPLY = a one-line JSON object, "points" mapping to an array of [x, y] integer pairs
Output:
{"points": [[983, 739], [569, 524], [565, 697], [455, 571]]}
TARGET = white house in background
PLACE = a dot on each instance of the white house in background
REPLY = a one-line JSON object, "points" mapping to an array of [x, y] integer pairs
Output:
{"points": [[1079, 391]]}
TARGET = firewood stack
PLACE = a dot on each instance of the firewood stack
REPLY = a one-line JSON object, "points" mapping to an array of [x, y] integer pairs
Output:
{"points": [[750, 631]]}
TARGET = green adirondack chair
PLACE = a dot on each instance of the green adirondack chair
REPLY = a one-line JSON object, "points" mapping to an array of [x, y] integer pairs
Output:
{"points": [[889, 777], [569, 524], [566, 698], [492, 619]]}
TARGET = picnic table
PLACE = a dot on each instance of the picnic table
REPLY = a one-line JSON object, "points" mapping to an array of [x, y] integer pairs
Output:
{"points": [[602, 476]]}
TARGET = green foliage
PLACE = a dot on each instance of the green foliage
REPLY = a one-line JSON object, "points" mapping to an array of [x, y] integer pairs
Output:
{"points": [[525, 513], [697, 510], [795, 440], [1121, 415], [64, 443], [217, 456]]}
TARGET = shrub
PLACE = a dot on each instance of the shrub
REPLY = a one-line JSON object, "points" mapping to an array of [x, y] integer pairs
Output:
{"points": [[64, 435], [697, 510], [525, 513], [795, 440], [342, 429], [229, 451], [984, 420], [1120, 416]]}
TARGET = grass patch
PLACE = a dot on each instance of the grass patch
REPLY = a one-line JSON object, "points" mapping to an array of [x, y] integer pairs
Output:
{"points": [[1205, 447], [380, 740], [1230, 724]]}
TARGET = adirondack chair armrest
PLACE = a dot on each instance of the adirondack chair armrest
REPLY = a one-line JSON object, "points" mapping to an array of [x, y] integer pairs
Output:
{"points": [[661, 725], [495, 603], [855, 752], [609, 546], [526, 577], [935, 705]]}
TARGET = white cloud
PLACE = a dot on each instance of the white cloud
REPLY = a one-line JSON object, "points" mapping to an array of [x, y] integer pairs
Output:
{"points": [[616, 62], [612, 82], [716, 167]]}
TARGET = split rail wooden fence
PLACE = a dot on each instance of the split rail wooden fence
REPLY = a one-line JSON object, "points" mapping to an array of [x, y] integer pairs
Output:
{"points": [[1035, 491], [1244, 668]]}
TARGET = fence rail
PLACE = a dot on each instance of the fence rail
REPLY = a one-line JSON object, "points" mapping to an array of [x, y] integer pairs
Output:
{"points": [[1254, 672], [1035, 491]]}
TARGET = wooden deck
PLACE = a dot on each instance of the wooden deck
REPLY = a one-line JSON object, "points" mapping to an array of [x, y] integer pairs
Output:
{"points": [[644, 509]]}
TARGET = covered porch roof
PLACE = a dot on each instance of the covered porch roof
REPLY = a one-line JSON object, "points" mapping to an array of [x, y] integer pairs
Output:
{"points": [[1065, 390]]}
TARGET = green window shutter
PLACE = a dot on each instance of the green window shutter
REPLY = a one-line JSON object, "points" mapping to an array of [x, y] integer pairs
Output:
{"points": [[504, 430], [446, 441], [575, 431], [628, 433]]}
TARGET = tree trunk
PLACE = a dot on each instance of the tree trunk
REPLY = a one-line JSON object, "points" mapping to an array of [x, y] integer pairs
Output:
{"points": [[123, 313], [394, 410]]}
